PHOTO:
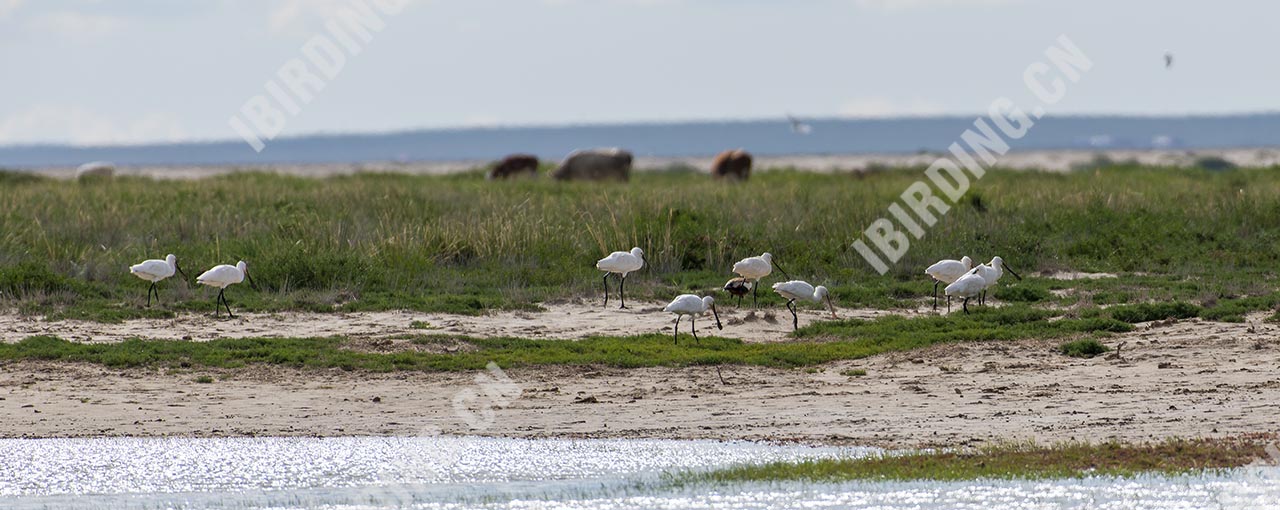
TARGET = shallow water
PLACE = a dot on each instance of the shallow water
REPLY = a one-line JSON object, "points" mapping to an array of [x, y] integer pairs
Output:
{"points": [[447, 473]]}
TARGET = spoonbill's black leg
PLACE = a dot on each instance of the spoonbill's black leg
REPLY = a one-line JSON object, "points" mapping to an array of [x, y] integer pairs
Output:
{"points": [[622, 293], [948, 303], [693, 327], [935, 295], [217, 302], [676, 337], [606, 290], [222, 296], [753, 293], [795, 320], [966, 306]]}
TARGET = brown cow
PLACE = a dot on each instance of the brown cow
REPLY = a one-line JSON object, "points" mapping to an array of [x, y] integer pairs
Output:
{"points": [[734, 164], [515, 165], [595, 165]]}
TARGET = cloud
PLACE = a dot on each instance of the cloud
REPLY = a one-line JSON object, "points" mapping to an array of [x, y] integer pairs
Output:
{"points": [[78, 126], [299, 15], [558, 3], [898, 5], [7, 7], [76, 25], [880, 107]]}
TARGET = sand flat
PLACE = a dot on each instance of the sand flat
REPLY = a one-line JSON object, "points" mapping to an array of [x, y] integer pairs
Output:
{"points": [[579, 319], [1188, 379]]}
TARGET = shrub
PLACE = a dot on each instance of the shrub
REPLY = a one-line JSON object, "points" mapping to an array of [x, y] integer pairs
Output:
{"points": [[1023, 294], [1214, 163], [1154, 311], [1083, 348]]}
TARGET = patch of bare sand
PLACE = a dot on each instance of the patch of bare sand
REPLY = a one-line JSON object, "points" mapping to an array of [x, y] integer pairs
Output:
{"points": [[1185, 379], [558, 321]]}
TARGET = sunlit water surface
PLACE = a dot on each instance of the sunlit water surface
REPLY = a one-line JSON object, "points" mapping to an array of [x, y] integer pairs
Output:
{"points": [[449, 473]]}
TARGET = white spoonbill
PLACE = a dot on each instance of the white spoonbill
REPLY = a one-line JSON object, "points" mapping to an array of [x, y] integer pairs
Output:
{"points": [[154, 270], [222, 276], [755, 268], [947, 271], [991, 272], [693, 306], [798, 289], [620, 263], [968, 286]]}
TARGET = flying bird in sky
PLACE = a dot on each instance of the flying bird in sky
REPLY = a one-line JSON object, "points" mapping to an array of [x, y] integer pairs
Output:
{"points": [[799, 126]]}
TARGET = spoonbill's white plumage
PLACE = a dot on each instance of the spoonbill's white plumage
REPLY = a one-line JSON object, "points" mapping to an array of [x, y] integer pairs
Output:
{"points": [[947, 271], [968, 286], [755, 268], [620, 263], [799, 289], [222, 276], [693, 306], [991, 273], [155, 270]]}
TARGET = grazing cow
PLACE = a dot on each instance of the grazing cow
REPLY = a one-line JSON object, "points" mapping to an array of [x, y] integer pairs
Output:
{"points": [[734, 164], [515, 165], [595, 165], [95, 170]]}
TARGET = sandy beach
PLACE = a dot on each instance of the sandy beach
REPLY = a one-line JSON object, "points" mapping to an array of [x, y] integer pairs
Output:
{"points": [[1183, 379]]}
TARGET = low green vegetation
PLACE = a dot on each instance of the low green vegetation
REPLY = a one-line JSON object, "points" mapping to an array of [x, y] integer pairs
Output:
{"points": [[858, 372], [460, 244], [1087, 348], [822, 343], [1011, 461], [1153, 312]]}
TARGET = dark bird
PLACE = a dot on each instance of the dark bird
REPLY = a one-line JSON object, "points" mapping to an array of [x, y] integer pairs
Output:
{"points": [[738, 287], [1168, 60]]}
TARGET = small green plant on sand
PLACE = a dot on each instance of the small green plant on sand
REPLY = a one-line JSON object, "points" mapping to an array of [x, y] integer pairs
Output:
{"points": [[1087, 348]]}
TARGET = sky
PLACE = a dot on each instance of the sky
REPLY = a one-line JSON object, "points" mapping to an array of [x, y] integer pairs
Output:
{"points": [[91, 72]]}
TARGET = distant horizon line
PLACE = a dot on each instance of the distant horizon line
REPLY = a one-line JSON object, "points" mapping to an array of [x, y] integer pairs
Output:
{"points": [[781, 120]]}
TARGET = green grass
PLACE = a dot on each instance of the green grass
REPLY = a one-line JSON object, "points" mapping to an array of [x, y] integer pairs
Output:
{"points": [[854, 373], [1153, 312], [821, 343], [461, 244], [1083, 348], [1010, 461]]}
